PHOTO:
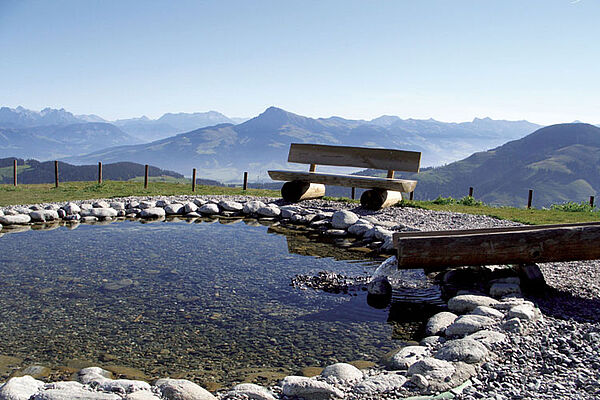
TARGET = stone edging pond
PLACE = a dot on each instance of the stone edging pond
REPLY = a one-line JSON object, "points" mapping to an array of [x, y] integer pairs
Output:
{"points": [[458, 341]]}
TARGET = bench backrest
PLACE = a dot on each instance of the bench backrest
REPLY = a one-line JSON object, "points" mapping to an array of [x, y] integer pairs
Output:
{"points": [[361, 157]]}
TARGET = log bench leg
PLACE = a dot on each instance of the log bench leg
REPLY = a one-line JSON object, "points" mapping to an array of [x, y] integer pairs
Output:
{"points": [[296, 191], [376, 199]]}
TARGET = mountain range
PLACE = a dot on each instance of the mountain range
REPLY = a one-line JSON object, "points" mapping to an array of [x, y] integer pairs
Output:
{"points": [[560, 163], [224, 151]]}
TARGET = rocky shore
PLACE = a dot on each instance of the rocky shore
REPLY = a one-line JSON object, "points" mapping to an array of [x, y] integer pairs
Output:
{"points": [[499, 339]]}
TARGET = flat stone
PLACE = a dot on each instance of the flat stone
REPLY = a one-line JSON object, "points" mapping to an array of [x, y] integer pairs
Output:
{"points": [[467, 324], [466, 350], [147, 204], [89, 218], [250, 391], [229, 205], [100, 204], [100, 213], [74, 394], [432, 368], [336, 232], [343, 219], [509, 302], [209, 209], [142, 395], [93, 374], [468, 302], [123, 386], [182, 389], [408, 355], [43, 215], [200, 202], [359, 229], [437, 324], [432, 341], [342, 372], [500, 289], [487, 337], [309, 388], [385, 382], [35, 371], [117, 205], [152, 212], [271, 210], [252, 206], [18, 219], [20, 388], [526, 312], [513, 325], [488, 312]]}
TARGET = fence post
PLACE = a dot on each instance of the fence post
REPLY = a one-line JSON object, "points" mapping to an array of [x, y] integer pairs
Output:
{"points": [[411, 196], [353, 193], [99, 172], [530, 198], [245, 187], [15, 172], [194, 180], [146, 177], [592, 201], [470, 191], [55, 173]]}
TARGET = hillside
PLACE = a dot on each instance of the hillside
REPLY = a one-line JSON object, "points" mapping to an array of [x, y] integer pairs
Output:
{"points": [[33, 171], [559, 162], [224, 151]]}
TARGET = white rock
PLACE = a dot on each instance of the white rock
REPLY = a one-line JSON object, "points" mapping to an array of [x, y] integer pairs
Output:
{"points": [[142, 395], [270, 210], [63, 385], [71, 208], [153, 212], [487, 337], [54, 207], [199, 202], [133, 204], [467, 350], [101, 204], [513, 325], [18, 219], [100, 213], [525, 312], [21, 388], [209, 209], [174, 209], [250, 391], [467, 324], [89, 219], [229, 205], [343, 219], [309, 388], [117, 205], [387, 268], [468, 302], [147, 204], [61, 213], [43, 215], [437, 324], [252, 207], [190, 207], [342, 372], [500, 289], [509, 302], [93, 374], [86, 206], [488, 312], [359, 228], [74, 394], [432, 368], [432, 341], [182, 389], [1, 213], [379, 384], [123, 386], [409, 355], [419, 381]]}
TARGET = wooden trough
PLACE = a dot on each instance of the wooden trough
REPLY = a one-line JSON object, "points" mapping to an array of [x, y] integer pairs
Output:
{"points": [[438, 250]]}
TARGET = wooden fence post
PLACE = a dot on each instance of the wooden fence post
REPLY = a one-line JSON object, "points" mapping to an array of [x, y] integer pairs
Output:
{"points": [[194, 180], [55, 173], [15, 172], [353, 193], [592, 201], [411, 196], [530, 198], [245, 187], [99, 172], [146, 177], [470, 191]]}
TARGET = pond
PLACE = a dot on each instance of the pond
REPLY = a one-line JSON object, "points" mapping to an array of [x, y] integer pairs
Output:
{"points": [[205, 301]]}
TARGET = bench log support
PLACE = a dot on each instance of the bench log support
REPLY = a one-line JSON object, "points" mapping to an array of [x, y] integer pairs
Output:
{"points": [[376, 199], [296, 191]]}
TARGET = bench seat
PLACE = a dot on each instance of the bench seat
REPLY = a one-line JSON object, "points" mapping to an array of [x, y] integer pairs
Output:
{"points": [[368, 182]]}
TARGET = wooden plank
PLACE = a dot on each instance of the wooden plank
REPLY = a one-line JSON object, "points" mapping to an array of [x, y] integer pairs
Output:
{"points": [[500, 246], [369, 182], [360, 157]]}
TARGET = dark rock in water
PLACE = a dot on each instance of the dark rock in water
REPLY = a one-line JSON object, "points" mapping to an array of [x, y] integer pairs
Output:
{"points": [[331, 282]]}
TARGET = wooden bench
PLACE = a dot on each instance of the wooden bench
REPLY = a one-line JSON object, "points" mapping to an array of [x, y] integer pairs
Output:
{"points": [[382, 192]]}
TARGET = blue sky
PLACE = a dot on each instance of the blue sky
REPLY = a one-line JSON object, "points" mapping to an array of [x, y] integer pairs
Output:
{"points": [[449, 60]]}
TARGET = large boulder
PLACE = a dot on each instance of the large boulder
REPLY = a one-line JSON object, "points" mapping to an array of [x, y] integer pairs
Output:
{"points": [[269, 211], [468, 302], [209, 209], [43, 215], [100, 213], [359, 228], [466, 350], [437, 324], [252, 207], [100, 204], [182, 389], [467, 324], [71, 208], [385, 382], [527, 312], [249, 391], [174, 209], [152, 212], [190, 207], [488, 312], [343, 219], [20, 388], [309, 388], [342, 372], [18, 219], [408, 355], [487, 337], [230, 205]]}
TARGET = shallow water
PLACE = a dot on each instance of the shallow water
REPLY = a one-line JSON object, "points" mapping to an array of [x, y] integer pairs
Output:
{"points": [[210, 302]]}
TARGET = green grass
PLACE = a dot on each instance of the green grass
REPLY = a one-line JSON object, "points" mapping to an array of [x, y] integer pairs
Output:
{"points": [[44, 193]]}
